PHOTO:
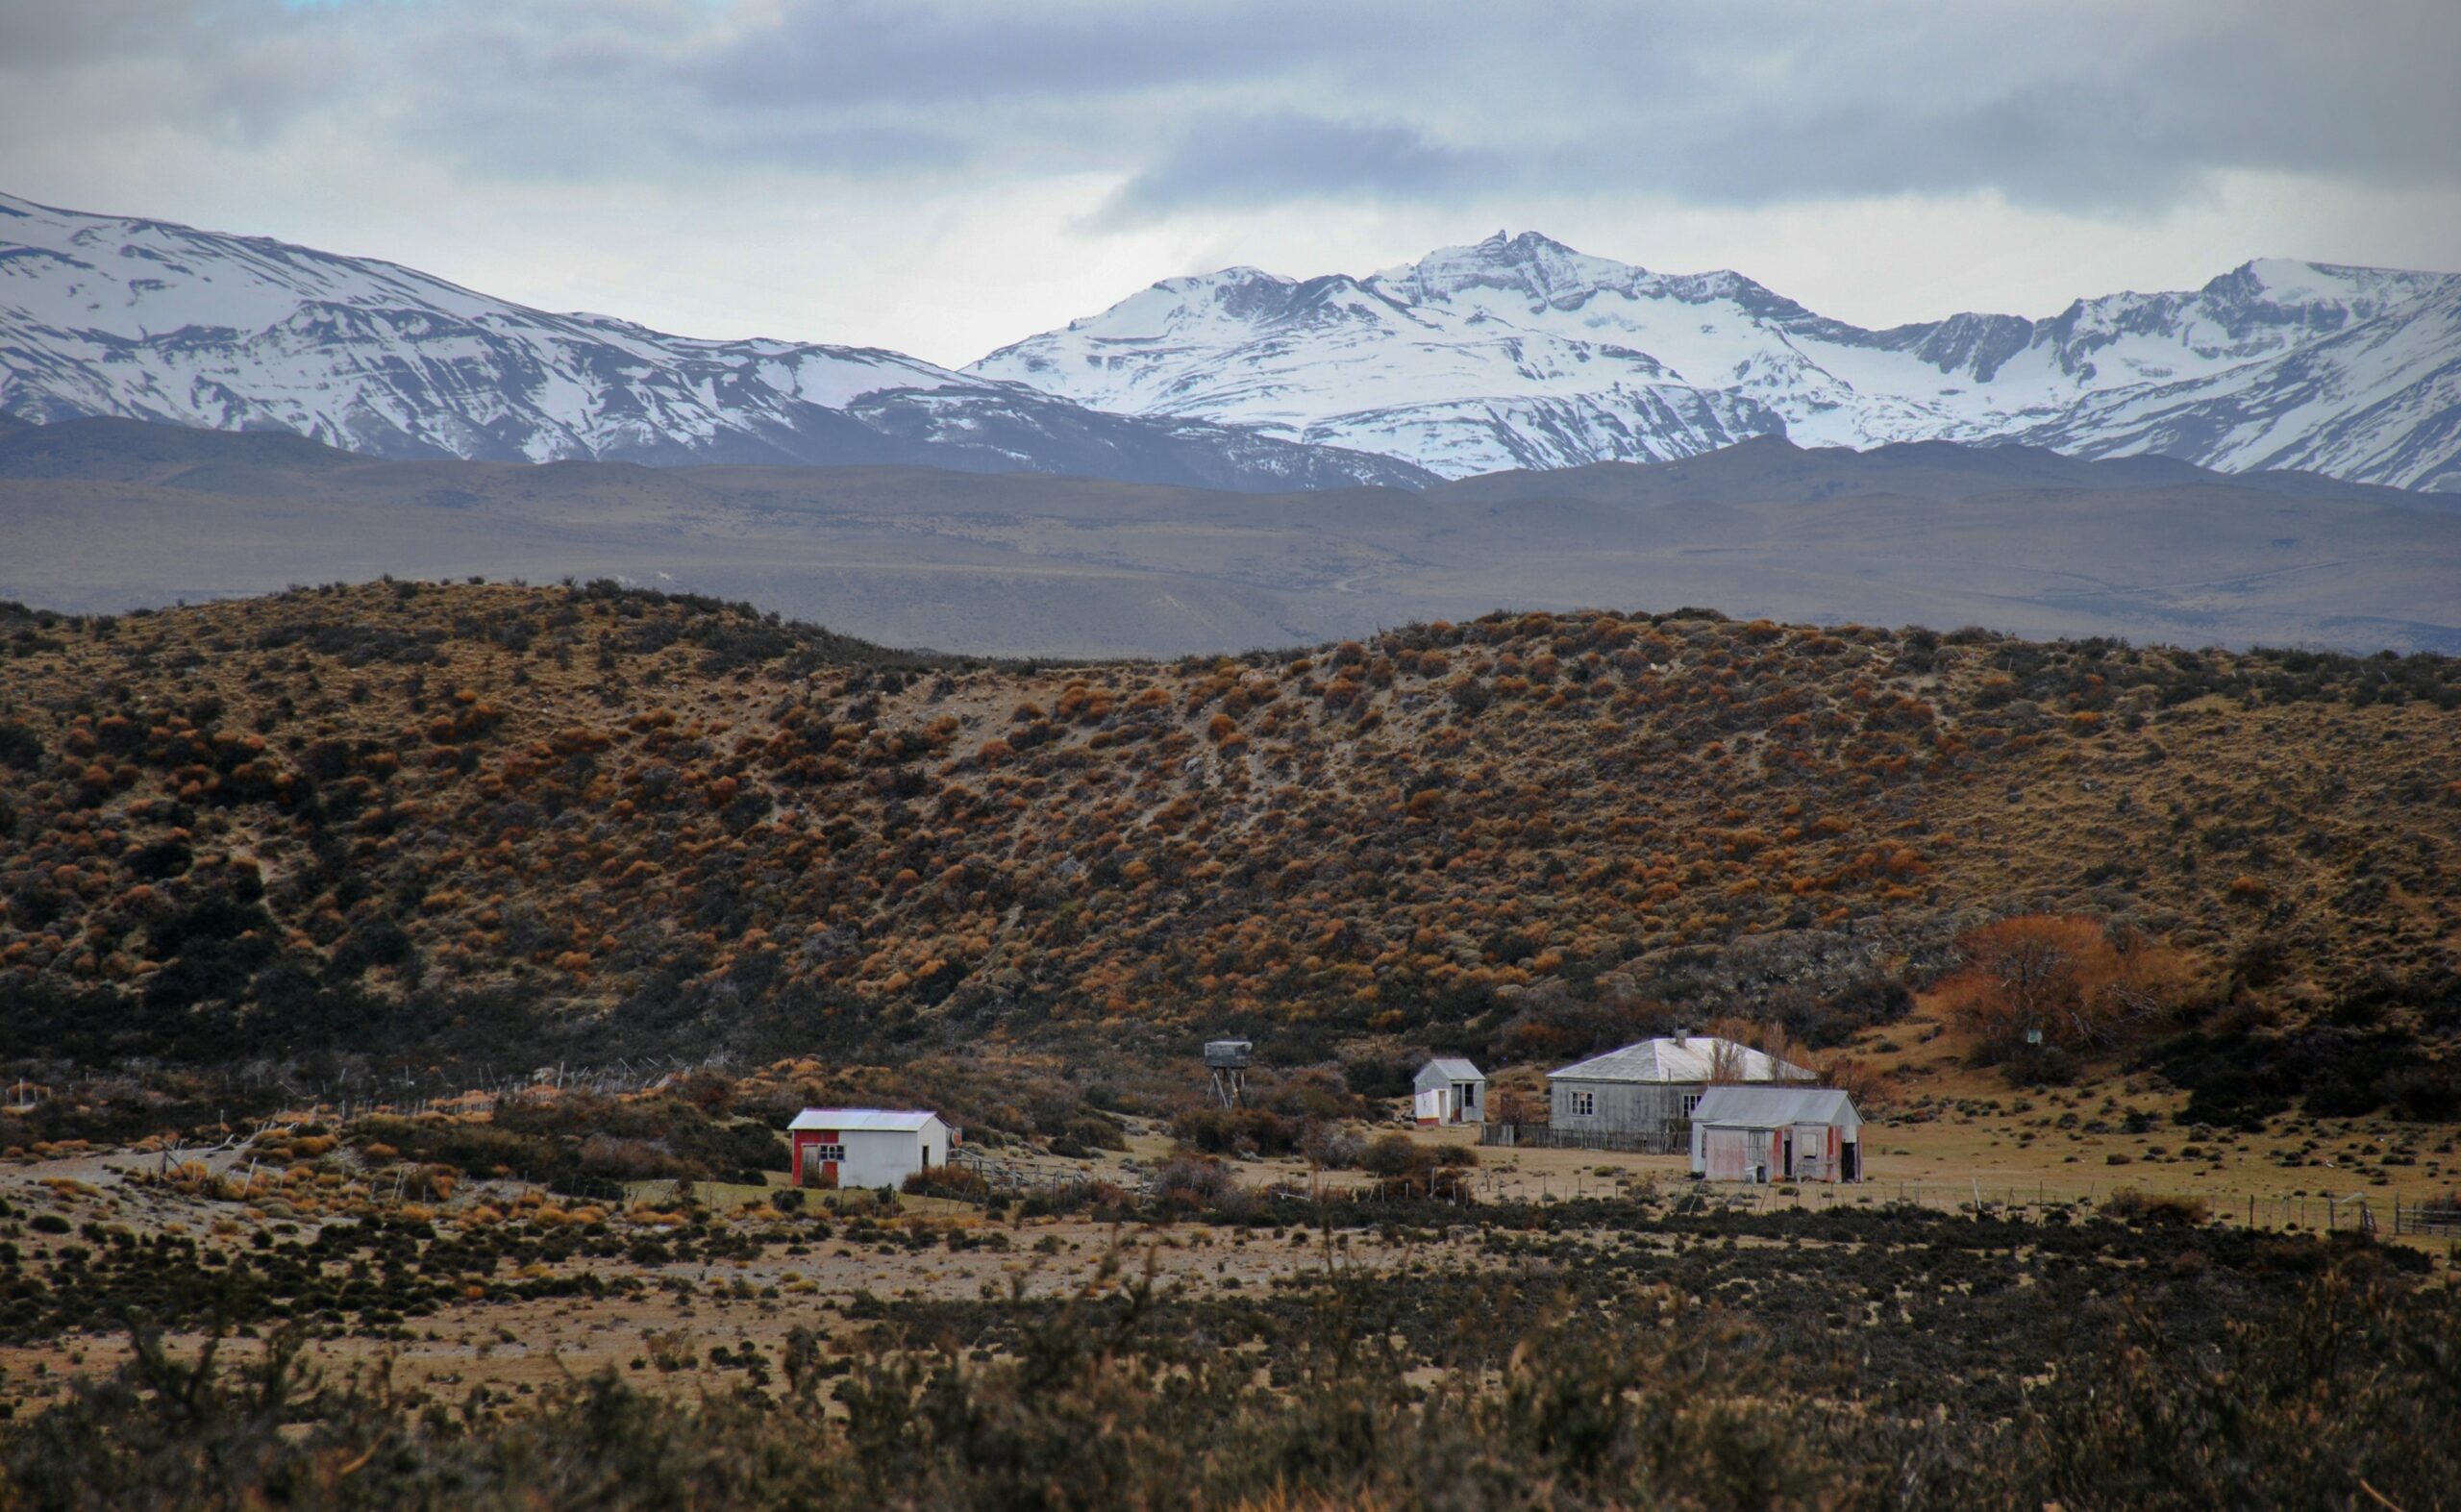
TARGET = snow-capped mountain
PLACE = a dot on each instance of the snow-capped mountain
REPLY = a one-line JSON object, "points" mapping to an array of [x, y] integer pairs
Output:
{"points": [[101, 316], [1521, 353]]}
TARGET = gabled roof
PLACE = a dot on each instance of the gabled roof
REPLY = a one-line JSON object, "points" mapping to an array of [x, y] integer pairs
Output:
{"points": [[1689, 1058], [1444, 1071], [862, 1118], [1775, 1107]]}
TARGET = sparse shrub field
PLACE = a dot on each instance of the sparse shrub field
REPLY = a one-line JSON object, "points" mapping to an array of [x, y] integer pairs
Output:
{"points": [[1209, 1352], [317, 866], [478, 828]]}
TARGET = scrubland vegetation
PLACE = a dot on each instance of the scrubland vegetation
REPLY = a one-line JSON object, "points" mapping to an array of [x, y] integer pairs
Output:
{"points": [[468, 829], [363, 848], [1635, 1353]]}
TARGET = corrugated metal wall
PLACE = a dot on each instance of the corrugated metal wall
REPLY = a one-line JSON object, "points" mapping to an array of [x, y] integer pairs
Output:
{"points": [[1622, 1108]]}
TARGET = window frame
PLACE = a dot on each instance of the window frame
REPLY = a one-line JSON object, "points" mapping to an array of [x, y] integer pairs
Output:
{"points": [[1582, 1104]]}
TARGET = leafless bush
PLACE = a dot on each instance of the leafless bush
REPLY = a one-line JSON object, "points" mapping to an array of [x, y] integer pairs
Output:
{"points": [[1334, 1147]]}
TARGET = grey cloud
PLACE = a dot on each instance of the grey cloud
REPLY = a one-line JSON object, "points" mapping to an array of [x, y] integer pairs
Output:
{"points": [[868, 51], [2073, 103], [1236, 160], [39, 39], [2071, 147]]}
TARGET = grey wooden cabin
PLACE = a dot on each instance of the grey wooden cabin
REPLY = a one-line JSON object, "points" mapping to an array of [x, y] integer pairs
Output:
{"points": [[1641, 1097]]}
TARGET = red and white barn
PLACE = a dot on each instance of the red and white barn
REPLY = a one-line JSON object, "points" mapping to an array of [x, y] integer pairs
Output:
{"points": [[866, 1147], [1777, 1135]]}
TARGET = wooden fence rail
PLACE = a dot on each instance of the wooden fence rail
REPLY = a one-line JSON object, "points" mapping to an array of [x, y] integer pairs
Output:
{"points": [[1674, 1140], [2436, 1220]]}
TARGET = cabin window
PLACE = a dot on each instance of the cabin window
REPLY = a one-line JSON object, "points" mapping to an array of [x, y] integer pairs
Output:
{"points": [[829, 1151], [1584, 1104], [1691, 1100]]}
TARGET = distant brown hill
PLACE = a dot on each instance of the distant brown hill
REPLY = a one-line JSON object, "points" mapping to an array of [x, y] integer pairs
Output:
{"points": [[105, 515], [481, 823]]}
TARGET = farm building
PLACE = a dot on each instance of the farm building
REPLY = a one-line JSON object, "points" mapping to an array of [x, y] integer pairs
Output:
{"points": [[1642, 1095], [1777, 1135], [865, 1147], [1449, 1091]]}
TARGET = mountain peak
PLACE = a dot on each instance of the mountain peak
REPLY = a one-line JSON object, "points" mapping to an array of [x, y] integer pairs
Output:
{"points": [[1529, 263], [1518, 352], [2293, 283], [1236, 273], [155, 322], [1504, 246], [1522, 242]]}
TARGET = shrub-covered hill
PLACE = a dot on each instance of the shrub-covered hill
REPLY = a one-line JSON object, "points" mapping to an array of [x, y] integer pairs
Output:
{"points": [[487, 821]]}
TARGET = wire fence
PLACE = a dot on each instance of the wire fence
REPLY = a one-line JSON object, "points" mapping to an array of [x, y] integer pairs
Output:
{"points": [[344, 1097], [2311, 1212], [1671, 1138]]}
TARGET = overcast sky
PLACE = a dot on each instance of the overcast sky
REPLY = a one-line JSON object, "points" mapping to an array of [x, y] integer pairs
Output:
{"points": [[945, 178]]}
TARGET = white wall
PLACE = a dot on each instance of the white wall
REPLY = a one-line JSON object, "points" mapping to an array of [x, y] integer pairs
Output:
{"points": [[1456, 1101], [887, 1156]]}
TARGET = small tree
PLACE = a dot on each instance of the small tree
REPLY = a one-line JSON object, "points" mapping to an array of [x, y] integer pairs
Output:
{"points": [[2067, 982], [1509, 1105]]}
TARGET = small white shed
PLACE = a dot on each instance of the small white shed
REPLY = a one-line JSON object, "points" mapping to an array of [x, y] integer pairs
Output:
{"points": [[1449, 1090], [866, 1147], [1777, 1135]]}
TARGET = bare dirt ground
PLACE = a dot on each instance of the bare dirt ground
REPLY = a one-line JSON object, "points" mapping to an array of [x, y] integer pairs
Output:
{"points": [[1948, 1135]]}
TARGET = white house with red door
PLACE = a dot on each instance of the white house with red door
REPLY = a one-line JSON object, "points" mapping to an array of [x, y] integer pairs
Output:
{"points": [[1777, 1135], [866, 1147], [1449, 1091]]}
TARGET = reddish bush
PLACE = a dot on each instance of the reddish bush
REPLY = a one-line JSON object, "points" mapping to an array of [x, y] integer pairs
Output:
{"points": [[2071, 980]]}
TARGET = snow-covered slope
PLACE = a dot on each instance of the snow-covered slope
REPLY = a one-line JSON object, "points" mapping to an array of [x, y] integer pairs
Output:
{"points": [[1522, 353], [101, 316]]}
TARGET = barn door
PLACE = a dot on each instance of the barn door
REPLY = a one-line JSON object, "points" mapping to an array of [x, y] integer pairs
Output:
{"points": [[1726, 1154], [1814, 1161]]}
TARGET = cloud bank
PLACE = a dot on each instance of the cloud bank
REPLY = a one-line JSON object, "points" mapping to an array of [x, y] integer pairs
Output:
{"points": [[630, 147]]}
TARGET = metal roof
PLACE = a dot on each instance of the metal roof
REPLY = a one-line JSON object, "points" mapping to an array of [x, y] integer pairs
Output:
{"points": [[862, 1118], [1776, 1107], [1688, 1059], [1444, 1071]]}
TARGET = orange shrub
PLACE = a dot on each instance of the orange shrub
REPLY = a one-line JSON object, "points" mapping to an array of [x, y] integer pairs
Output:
{"points": [[2082, 985]]}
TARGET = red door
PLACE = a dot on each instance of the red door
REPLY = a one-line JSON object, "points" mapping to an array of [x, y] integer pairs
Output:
{"points": [[811, 1139]]}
